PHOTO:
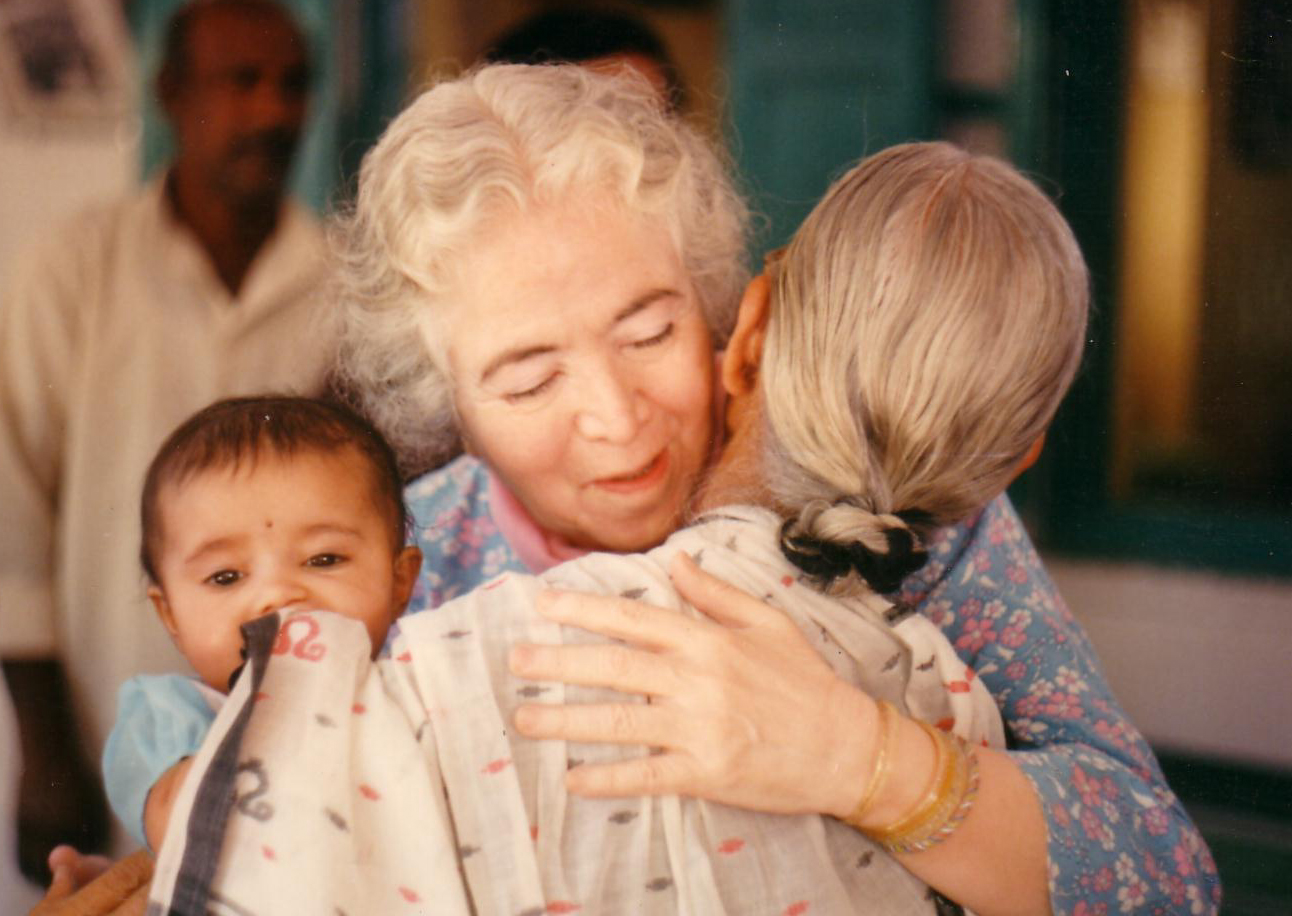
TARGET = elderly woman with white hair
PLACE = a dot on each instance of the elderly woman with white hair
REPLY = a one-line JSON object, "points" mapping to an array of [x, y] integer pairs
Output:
{"points": [[537, 270]]}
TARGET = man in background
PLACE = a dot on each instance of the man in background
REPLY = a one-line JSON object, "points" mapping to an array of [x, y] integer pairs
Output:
{"points": [[203, 285]]}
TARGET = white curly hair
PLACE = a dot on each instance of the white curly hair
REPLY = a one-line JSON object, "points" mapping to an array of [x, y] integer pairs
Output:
{"points": [[491, 145]]}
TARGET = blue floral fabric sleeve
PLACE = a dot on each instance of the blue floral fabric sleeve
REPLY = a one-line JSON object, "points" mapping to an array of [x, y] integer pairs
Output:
{"points": [[1119, 840]]}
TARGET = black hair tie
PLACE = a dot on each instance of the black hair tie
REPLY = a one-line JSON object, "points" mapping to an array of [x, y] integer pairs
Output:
{"points": [[827, 561]]}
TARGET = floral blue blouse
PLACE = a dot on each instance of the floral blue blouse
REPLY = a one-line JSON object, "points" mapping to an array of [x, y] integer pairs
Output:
{"points": [[1119, 841]]}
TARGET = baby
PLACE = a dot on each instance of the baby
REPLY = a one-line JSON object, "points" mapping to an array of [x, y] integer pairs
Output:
{"points": [[253, 506]]}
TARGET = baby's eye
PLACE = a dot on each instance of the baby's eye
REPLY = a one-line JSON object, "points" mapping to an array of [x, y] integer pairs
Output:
{"points": [[325, 559], [224, 577], [654, 339]]}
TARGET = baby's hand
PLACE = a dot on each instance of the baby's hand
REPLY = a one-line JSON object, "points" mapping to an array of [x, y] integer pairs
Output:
{"points": [[161, 797]]}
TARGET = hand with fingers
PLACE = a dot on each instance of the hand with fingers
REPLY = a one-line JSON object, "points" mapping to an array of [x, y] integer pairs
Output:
{"points": [[91, 886], [741, 707]]}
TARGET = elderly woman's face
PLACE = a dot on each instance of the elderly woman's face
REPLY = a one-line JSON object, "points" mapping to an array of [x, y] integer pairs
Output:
{"points": [[584, 372]]}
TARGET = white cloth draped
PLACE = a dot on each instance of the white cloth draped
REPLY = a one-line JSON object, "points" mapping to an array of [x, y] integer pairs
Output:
{"points": [[398, 785]]}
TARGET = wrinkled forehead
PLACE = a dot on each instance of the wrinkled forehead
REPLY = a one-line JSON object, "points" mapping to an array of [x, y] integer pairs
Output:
{"points": [[542, 226]]}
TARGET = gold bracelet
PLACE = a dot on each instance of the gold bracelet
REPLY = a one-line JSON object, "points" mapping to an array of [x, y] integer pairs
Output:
{"points": [[949, 819], [939, 785], [879, 772], [951, 794]]}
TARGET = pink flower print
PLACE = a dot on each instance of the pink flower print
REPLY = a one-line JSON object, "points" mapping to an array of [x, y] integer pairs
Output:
{"points": [[1157, 823], [1103, 880], [1131, 897], [1062, 705], [1090, 789], [982, 561], [1096, 829], [1070, 680], [998, 531], [1016, 574], [1013, 636], [1061, 816], [1015, 670], [1110, 733], [976, 634], [970, 608], [475, 530], [939, 612], [1173, 887], [1085, 909], [1028, 707]]}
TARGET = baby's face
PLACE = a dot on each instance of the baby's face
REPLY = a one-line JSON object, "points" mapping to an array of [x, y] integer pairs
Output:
{"points": [[300, 532]]}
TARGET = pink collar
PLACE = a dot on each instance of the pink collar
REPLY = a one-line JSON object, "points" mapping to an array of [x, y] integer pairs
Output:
{"points": [[538, 549]]}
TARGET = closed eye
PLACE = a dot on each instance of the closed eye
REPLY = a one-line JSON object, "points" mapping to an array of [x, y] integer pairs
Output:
{"points": [[655, 339], [224, 577], [513, 397]]}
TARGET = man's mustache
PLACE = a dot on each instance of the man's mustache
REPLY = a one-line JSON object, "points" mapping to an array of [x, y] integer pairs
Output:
{"points": [[272, 143]]}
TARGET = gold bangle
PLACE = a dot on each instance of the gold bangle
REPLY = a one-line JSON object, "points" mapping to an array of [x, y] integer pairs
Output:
{"points": [[951, 794], [939, 784], [886, 727], [935, 832]]}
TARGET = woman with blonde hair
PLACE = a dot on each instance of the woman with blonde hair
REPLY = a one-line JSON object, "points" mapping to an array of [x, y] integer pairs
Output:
{"points": [[537, 269]]}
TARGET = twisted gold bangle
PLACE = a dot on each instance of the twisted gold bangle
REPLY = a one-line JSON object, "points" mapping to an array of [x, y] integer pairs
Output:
{"points": [[951, 794]]}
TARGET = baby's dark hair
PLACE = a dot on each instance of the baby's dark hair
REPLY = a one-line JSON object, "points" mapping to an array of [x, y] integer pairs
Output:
{"points": [[229, 432]]}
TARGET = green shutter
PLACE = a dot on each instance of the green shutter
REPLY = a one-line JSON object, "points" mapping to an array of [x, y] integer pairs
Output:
{"points": [[817, 85]]}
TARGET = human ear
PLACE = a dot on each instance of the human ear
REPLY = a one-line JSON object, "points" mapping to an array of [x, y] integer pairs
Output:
{"points": [[408, 563], [1029, 459], [163, 609], [744, 353]]}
